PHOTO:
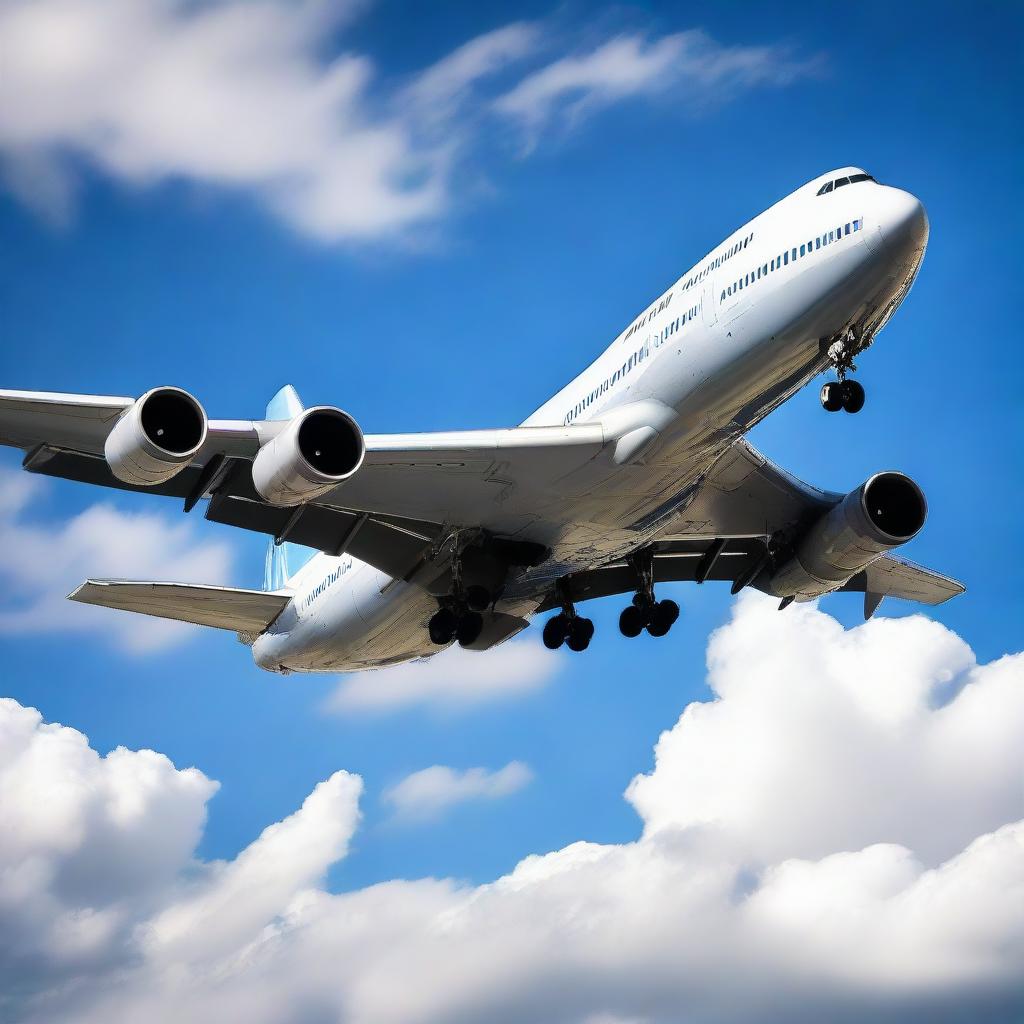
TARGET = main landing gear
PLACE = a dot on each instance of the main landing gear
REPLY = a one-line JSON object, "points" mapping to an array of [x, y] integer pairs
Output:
{"points": [[657, 617], [460, 619], [843, 393], [568, 628]]}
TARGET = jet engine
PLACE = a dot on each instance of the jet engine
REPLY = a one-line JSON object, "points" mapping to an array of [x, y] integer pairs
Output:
{"points": [[884, 512], [318, 449], [156, 437]]}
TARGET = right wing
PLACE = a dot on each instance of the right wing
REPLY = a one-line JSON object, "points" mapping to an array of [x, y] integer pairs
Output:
{"points": [[411, 491]]}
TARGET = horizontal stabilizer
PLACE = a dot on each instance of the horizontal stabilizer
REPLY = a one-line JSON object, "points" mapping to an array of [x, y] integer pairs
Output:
{"points": [[892, 576], [243, 611]]}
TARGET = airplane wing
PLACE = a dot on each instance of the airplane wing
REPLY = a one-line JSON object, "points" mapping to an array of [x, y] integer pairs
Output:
{"points": [[243, 611], [409, 490], [743, 506]]}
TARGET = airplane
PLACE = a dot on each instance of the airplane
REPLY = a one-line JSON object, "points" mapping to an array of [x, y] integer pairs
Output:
{"points": [[635, 474]]}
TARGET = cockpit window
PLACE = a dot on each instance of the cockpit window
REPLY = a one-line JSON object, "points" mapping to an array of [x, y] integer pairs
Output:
{"points": [[840, 182]]}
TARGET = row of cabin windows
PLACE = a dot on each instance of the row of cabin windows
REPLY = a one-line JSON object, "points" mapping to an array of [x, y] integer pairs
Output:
{"points": [[719, 260], [797, 252], [650, 314], [635, 359], [840, 182]]}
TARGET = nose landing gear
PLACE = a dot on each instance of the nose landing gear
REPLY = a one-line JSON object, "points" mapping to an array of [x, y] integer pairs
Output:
{"points": [[843, 393]]}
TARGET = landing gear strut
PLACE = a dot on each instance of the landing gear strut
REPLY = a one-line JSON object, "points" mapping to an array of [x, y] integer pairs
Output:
{"points": [[843, 393], [657, 617], [568, 628]]}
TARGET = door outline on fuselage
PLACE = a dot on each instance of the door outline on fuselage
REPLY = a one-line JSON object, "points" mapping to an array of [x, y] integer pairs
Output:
{"points": [[709, 305]]}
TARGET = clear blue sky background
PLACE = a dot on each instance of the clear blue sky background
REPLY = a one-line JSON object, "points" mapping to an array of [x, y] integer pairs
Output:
{"points": [[521, 285]]}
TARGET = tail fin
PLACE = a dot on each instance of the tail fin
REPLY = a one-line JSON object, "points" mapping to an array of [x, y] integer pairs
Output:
{"points": [[284, 560]]}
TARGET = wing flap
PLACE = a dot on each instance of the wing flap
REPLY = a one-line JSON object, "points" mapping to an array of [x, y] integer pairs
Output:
{"points": [[242, 611]]}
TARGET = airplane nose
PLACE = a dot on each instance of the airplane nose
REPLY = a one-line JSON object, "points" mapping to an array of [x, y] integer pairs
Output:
{"points": [[904, 222]]}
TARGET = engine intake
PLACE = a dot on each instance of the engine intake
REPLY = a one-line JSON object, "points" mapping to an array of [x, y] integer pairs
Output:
{"points": [[319, 449], [885, 511], [156, 438]]}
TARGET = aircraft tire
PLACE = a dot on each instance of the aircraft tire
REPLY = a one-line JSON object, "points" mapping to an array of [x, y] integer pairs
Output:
{"points": [[581, 631], [852, 394], [469, 628], [555, 631], [631, 621], [442, 626], [831, 396]]}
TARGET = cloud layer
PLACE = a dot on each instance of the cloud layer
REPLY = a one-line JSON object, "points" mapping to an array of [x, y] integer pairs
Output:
{"points": [[454, 680], [843, 899], [40, 564], [243, 96], [426, 795]]}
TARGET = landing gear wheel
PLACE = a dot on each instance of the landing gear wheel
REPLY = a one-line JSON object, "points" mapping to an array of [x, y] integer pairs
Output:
{"points": [[631, 621], [477, 598], [663, 615], [580, 633], [831, 396], [852, 395], [469, 628], [555, 632], [442, 626]]}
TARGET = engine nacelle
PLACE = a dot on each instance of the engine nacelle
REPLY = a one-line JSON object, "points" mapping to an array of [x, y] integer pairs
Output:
{"points": [[156, 438], [884, 512], [319, 449]]}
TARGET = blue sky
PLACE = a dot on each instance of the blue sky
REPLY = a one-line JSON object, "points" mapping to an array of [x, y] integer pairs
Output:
{"points": [[550, 235]]}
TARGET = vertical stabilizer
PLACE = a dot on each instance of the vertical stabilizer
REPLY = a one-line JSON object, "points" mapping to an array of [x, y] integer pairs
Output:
{"points": [[284, 560]]}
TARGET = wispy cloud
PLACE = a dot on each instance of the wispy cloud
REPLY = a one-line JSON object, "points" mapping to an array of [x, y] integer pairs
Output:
{"points": [[426, 795], [837, 836], [241, 96], [41, 562], [690, 64], [451, 681]]}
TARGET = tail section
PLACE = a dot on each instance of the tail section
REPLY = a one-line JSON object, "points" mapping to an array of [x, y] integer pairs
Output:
{"points": [[247, 612], [284, 560]]}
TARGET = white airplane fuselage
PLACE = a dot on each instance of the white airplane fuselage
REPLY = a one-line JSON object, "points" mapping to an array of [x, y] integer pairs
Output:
{"points": [[739, 333]]}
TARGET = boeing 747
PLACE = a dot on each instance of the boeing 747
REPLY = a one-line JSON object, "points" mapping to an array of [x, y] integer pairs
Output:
{"points": [[391, 547]]}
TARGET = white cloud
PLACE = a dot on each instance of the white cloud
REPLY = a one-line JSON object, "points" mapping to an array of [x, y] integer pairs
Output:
{"points": [[717, 908], [243, 96], [40, 564], [633, 66], [450, 681], [425, 795]]}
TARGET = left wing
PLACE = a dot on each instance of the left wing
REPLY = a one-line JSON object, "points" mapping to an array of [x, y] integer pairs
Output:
{"points": [[244, 611]]}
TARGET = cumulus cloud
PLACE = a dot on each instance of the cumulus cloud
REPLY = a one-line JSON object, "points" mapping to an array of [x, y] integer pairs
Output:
{"points": [[451, 681], [426, 795], [244, 96], [821, 908], [40, 563]]}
